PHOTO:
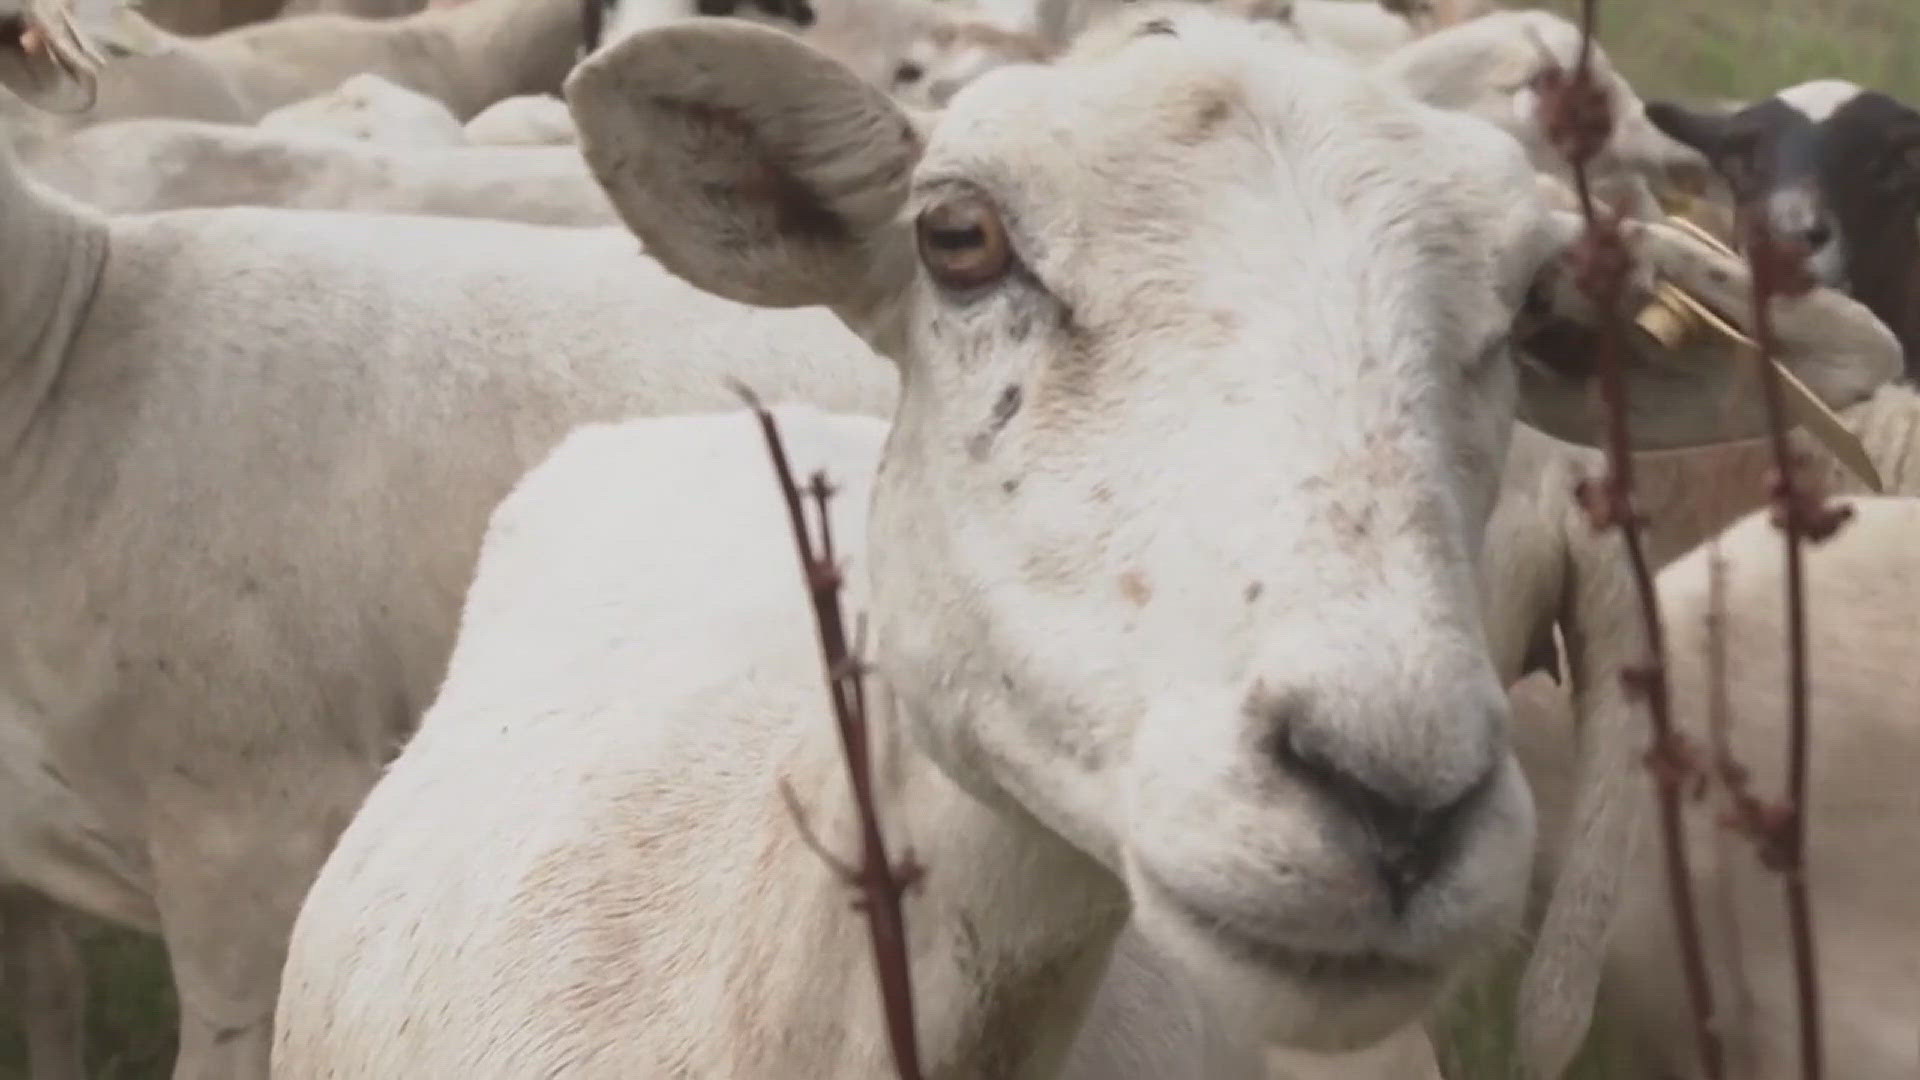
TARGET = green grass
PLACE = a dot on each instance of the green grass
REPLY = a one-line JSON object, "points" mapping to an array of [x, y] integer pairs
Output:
{"points": [[1748, 48], [1689, 49], [130, 1009], [1476, 1035]]}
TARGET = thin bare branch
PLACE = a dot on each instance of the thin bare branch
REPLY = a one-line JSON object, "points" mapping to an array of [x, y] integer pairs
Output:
{"points": [[880, 883], [1577, 115], [1801, 512]]}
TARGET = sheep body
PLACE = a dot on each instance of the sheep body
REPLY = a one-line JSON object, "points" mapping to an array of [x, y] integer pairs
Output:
{"points": [[144, 165], [368, 108], [1862, 634]]}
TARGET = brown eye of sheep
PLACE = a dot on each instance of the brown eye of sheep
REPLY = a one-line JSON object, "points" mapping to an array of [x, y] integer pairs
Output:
{"points": [[963, 242], [907, 72]]}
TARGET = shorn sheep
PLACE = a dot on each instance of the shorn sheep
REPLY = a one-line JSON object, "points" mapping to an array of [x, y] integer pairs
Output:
{"points": [[251, 454], [1278, 737], [1863, 634]]}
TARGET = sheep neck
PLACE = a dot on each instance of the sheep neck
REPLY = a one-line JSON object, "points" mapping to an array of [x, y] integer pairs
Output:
{"points": [[503, 48], [57, 252], [1008, 933]]}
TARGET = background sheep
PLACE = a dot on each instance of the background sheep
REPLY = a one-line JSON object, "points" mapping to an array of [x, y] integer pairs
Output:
{"points": [[248, 456], [1862, 636], [467, 57], [368, 108]]}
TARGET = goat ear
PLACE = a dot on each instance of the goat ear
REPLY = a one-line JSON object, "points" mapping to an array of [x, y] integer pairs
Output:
{"points": [[751, 164], [1700, 391], [1704, 132]]}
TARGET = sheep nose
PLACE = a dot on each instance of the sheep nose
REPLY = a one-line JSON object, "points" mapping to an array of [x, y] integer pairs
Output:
{"points": [[1412, 806]]}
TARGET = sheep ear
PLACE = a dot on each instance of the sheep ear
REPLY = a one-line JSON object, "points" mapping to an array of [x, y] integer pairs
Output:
{"points": [[751, 164], [1701, 390]]}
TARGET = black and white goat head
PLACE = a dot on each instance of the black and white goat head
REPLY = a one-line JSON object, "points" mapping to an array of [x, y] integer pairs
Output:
{"points": [[1836, 168]]}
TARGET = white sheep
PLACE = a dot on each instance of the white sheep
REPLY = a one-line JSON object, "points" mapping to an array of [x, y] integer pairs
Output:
{"points": [[368, 108], [251, 456], [582, 861], [1864, 708], [165, 164]]}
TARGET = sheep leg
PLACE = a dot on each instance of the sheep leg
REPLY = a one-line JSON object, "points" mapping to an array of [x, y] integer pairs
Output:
{"points": [[231, 864], [46, 982]]}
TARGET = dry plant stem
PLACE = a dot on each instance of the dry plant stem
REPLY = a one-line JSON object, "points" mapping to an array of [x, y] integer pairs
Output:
{"points": [[1797, 514], [881, 885], [1578, 116]]}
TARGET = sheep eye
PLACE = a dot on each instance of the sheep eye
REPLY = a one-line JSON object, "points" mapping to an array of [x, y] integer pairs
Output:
{"points": [[963, 242], [908, 72]]}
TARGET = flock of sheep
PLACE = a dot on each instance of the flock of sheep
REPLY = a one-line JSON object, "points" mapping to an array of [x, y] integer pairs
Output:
{"points": [[402, 622]]}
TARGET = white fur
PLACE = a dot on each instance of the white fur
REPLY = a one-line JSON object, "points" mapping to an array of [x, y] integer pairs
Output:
{"points": [[1128, 528], [1362, 29], [1543, 565], [139, 165], [1485, 66], [523, 120], [368, 108], [1819, 99]]}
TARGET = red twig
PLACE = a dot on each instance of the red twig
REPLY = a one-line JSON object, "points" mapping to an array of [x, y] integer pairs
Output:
{"points": [[881, 884], [1577, 115], [1801, 513]]}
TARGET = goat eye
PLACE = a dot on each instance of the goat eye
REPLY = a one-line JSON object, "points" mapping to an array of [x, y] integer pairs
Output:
{"points": [[908, 72], [963, 242]]}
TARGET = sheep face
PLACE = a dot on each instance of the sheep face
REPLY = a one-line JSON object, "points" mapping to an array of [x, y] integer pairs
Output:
{"points": [[1206, 390], [1836, 168]]}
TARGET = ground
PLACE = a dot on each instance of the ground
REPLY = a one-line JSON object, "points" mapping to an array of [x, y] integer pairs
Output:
{"points": [[1688, 49]]}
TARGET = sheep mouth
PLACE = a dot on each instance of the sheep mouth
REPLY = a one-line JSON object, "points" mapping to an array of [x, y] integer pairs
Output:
{"points": [[1367, 969]]}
